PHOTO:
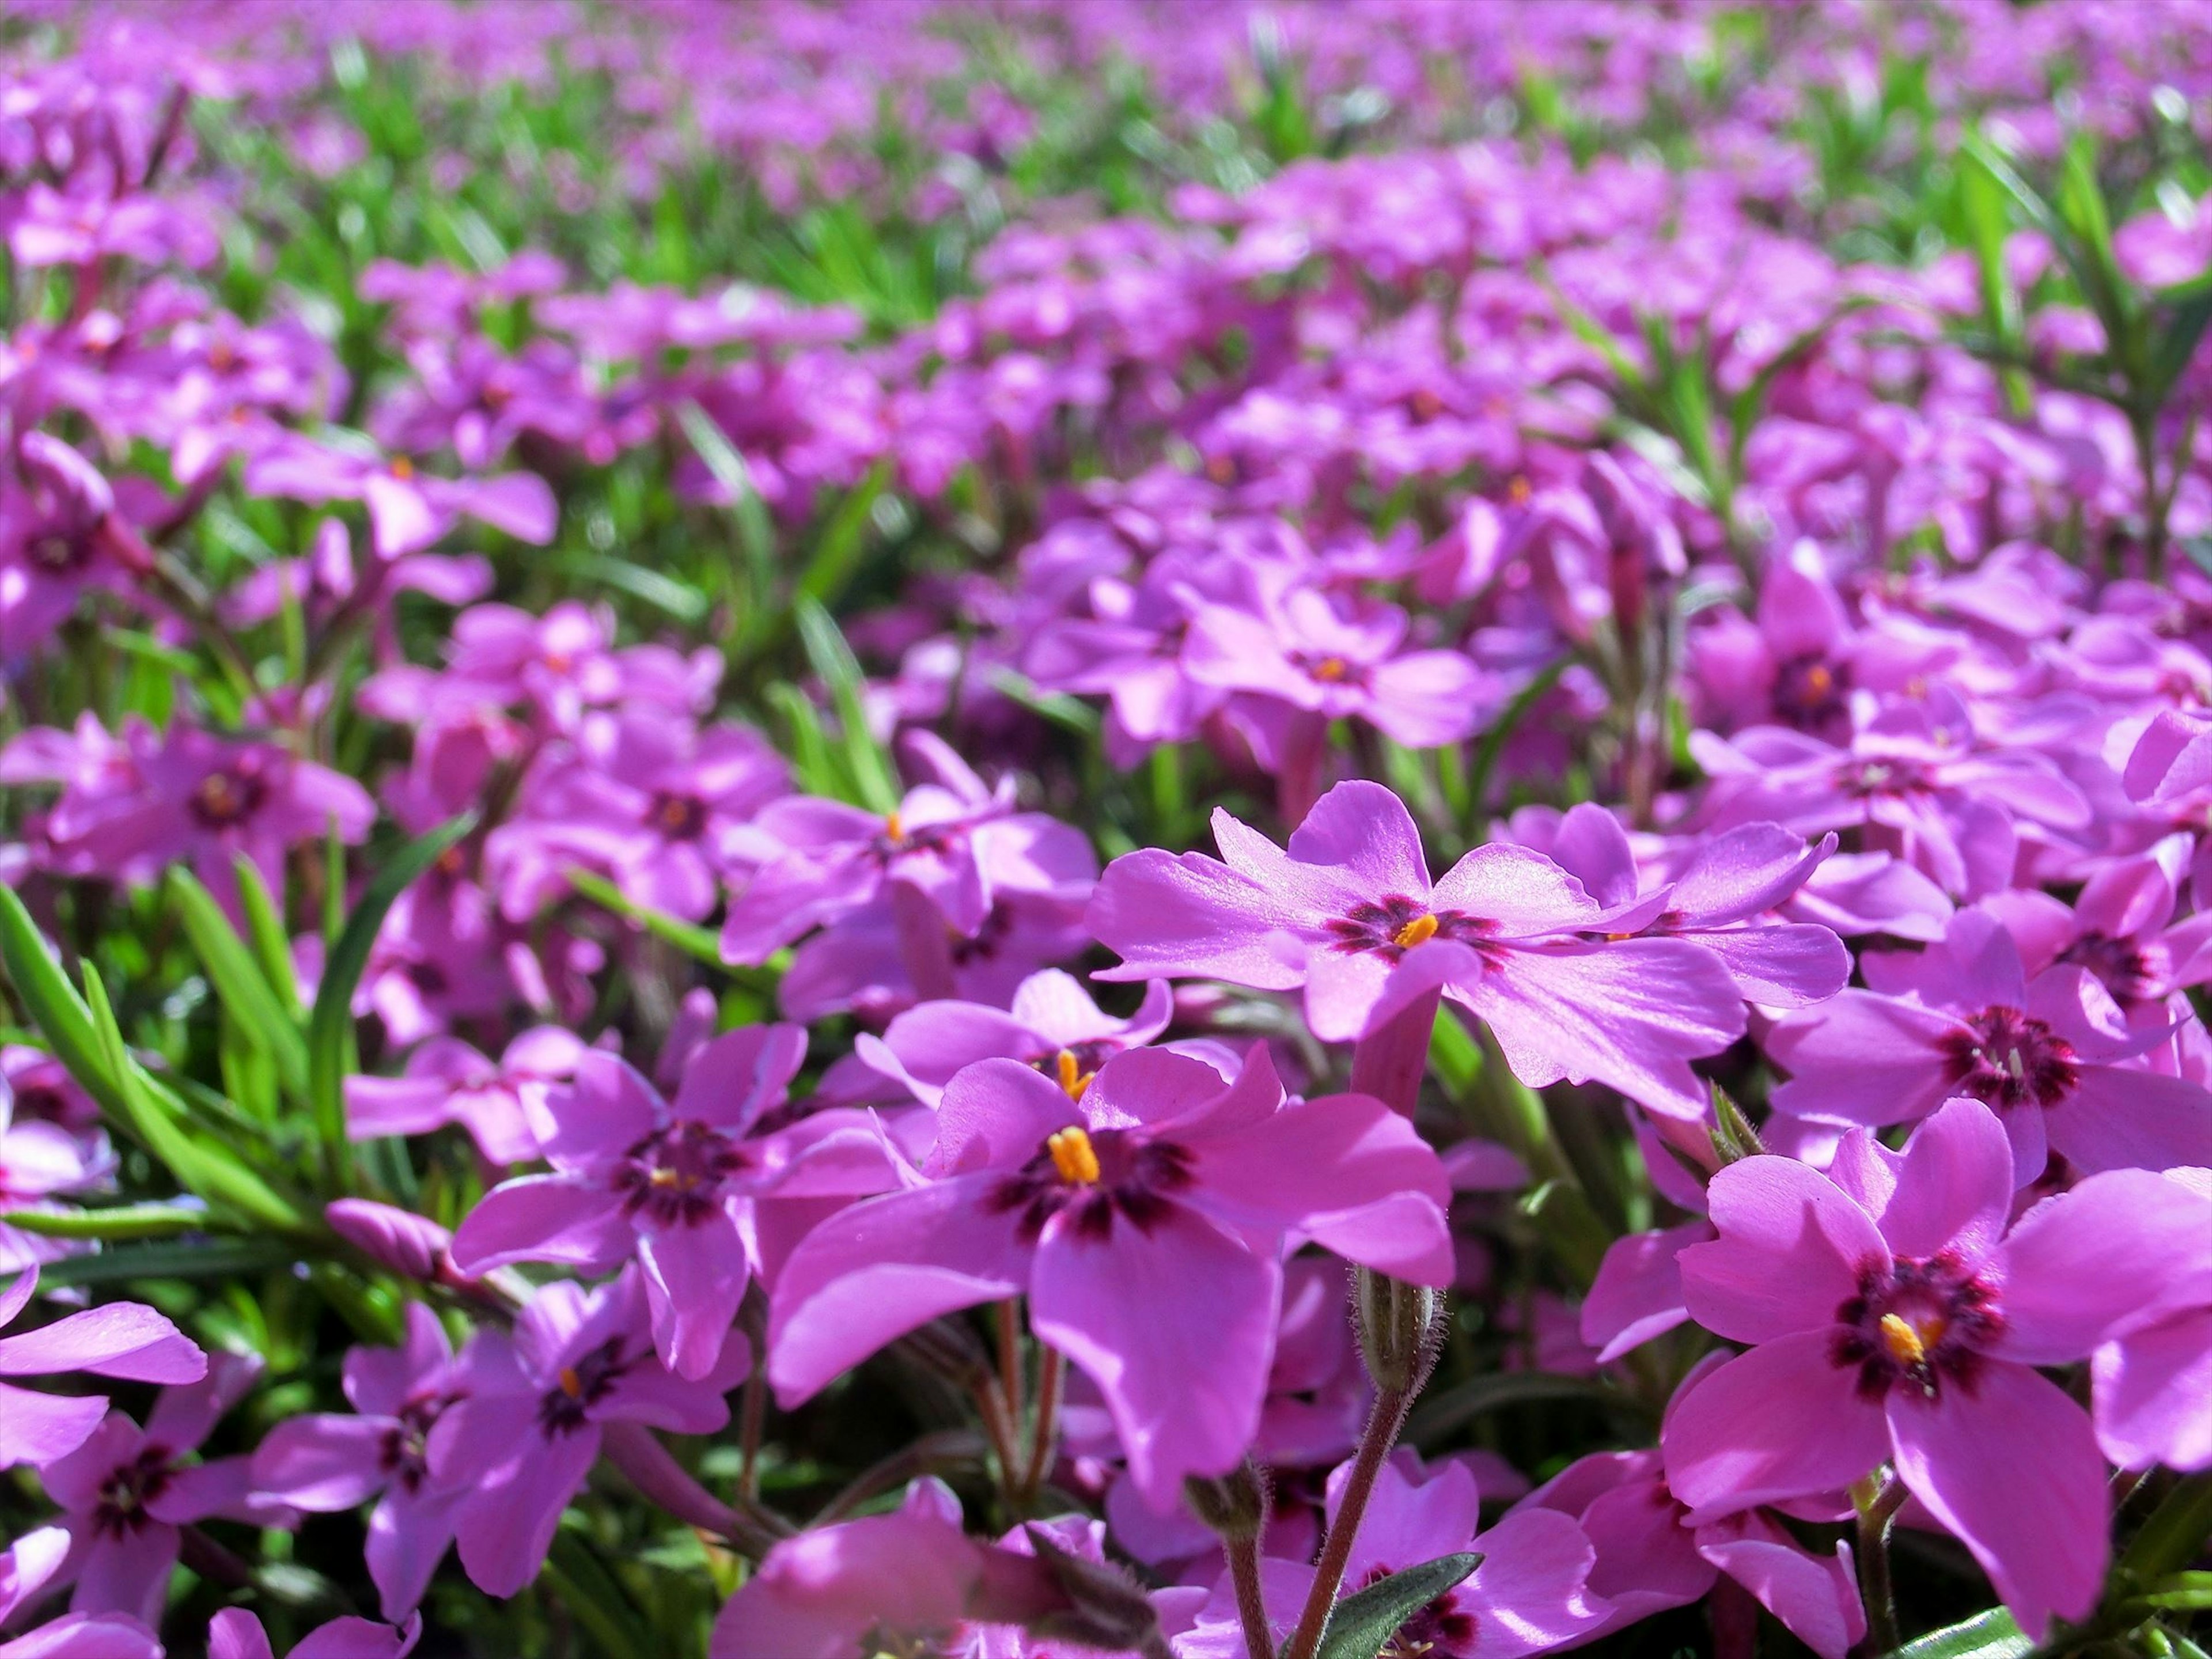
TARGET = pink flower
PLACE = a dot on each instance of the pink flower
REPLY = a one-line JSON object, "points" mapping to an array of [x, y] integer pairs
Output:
{"points": [[446, 1081], [675, 1183], [1893, 1318], [1961, 1018], [123, 1340], [529, 1431], [1144, 1211], [1349, 913]]}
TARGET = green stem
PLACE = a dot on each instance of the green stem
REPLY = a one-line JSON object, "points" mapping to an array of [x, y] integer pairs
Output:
{"points": [[1877, 1507]]}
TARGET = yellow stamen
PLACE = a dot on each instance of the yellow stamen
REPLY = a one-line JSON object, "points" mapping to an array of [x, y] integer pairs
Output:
{"points": [[1073, 1079], [1819, 681], [894, 826], [571, 1385], [1908, 1343], [1073, 1156], [663, 1178], [1519, 490], [1419, 931], [402, 467], [1221, 470], [1330, 670]]}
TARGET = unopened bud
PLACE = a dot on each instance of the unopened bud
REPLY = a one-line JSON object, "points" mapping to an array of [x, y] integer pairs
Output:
{"points": [[1099, 1605], [1399, 1326], [1234, 1504], [398, 1239]]}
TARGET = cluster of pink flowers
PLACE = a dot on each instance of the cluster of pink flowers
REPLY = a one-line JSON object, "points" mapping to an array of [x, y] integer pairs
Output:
{"points": [[631, 812]]}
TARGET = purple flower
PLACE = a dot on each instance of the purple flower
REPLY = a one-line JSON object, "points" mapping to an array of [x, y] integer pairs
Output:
{"points": [[1720, 892], [530, 1430], [324, 1463], [127, 1492], [235, 1633], [950, 849], [124, 1338], [674, 1184], [1052, 1024], [1144, 1213], [407, 509], [1350, 914], [1653, 1554], [909, 1582], [1961, 1018], [2151, 1376], [129, 811], [1531, 1593], [643, 799], [446, 1081], [1894, 1319], [40, 1161], [86, 1636]]}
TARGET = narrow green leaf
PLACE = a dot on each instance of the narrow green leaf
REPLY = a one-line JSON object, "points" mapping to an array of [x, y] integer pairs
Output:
{"points": [[330, 1029], [123, 1222], [843, 539], [1366, 1620], [53, 1005], [1069, 713], [833, 660], [217, 1258], [1501, 729], [693, 941], [573, 1568], [266, 931], [246, 992], [213, 1172], [1991, 1635], [812, 763]]}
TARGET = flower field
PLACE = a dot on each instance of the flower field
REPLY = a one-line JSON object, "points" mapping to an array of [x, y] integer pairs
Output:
{"points": [[1066, 829]]}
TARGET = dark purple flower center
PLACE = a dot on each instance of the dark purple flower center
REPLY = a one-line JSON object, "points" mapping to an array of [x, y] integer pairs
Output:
{"points": [[1436, 1630], [565, 1408], [677, 816], [59, 551], [229, 794], [120, 1508], [1810, 690], [674, 1176], [897, 840], [1921, 1323], [990, 939], [405, 1451], [1392, 926], [2130, 972], [1329, 670], [2008, 1059], [1094, 1175]]}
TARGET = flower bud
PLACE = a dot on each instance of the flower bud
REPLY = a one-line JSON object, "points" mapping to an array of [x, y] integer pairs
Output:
{"points": [[398, 1239], [1234, 1504], [1399, 1326], [1097, 1605]]}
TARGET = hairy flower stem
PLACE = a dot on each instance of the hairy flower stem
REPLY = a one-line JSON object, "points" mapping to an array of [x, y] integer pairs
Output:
{"points": [[1384, 1424], [1877, 1507], [1251, 1603], [752, 1420]]}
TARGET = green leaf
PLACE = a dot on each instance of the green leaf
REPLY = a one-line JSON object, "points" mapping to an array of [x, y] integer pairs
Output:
{"points": [[586, 1588], [246, 992], [693, 941], [1366, 1620], [1069, 713], [219, 1259], [755, 531], [124, 1221], [812, 764], [212, 1171], [1991, 1635], [53, 1005], [266, 931], [843, 539], [864, 760], [330, 1029]]}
